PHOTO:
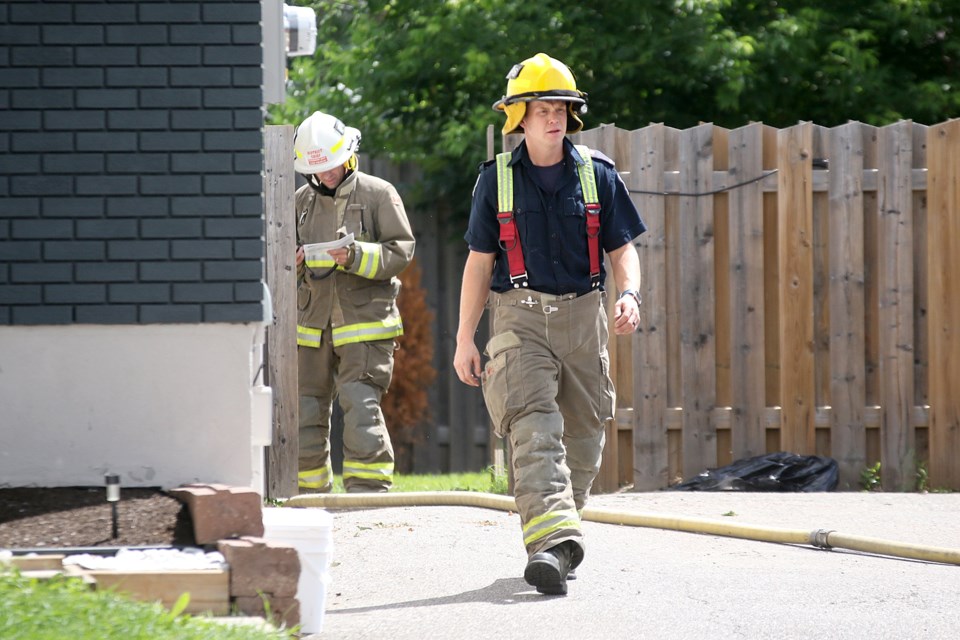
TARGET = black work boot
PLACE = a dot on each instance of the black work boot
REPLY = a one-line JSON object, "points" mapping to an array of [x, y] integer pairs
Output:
{"points": [[547, 570]]}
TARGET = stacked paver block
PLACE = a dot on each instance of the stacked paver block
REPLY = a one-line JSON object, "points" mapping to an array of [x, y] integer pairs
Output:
{"points": [[219, 511], [263, 574], [263, 578]]}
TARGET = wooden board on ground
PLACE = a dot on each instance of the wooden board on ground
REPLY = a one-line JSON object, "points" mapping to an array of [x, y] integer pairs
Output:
{"points": [[209, 589], [52, 562]]}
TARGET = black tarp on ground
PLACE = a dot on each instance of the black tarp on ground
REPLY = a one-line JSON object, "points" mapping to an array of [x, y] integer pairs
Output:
{"points": [[781, 471]]}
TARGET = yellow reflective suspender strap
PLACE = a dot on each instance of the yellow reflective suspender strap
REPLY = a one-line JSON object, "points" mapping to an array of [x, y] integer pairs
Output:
{"points": [[509, 238], [588, 181], [588, 184], [504, 182]]}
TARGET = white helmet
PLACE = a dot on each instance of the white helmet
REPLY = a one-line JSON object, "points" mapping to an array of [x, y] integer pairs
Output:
{"points": [[322, 143]]}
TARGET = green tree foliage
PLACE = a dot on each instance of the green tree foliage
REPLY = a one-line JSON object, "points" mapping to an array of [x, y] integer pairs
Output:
{"points": [[418, 77]]}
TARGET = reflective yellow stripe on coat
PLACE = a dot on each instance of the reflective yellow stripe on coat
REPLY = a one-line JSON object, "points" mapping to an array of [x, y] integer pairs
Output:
{"points": [[308, 337], [367, 331], [369, 259]]}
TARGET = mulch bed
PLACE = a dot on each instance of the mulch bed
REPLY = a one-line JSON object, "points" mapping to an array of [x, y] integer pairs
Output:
{"points": [[62, 517]]}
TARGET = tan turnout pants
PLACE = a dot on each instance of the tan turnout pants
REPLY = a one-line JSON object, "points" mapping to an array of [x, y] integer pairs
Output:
{"points": [[547, 388], [358, 375]]}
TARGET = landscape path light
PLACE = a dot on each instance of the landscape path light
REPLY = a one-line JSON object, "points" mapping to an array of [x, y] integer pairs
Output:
{"points": [[113, 497]]}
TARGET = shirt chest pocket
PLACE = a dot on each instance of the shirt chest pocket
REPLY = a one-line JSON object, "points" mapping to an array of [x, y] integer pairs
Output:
{"points": [[574, 207], [574, 216]]}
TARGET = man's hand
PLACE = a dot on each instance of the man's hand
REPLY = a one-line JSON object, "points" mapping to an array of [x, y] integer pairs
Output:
{"points": [[466, 361], [341, 256], [626, 315]]}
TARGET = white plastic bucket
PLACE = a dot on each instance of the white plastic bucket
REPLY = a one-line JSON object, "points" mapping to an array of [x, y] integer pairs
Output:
{"points": [[310, 532]]}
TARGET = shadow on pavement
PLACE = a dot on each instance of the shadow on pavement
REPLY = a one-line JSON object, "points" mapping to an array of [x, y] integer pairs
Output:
{"points": [[502, 591]]}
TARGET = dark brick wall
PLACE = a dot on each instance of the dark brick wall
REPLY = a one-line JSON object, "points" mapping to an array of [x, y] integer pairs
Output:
{"points": [[130, 161]]}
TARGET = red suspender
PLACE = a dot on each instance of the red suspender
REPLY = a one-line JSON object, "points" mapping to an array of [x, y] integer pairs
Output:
{"points": [[510, 239]]}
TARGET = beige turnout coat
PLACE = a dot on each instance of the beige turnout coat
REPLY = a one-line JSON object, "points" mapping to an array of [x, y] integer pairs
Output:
{"points": [[357, 302]]}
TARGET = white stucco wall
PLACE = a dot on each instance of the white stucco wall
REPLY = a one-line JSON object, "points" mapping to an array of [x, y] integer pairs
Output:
{"points": [[161, 405]]}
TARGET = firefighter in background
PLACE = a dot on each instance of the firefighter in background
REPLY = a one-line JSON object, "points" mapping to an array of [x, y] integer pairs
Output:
{"points": [[541, 217], [348, 319]]}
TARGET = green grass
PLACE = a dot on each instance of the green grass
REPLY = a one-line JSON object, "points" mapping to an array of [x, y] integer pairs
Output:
{"points": [[486, 481], [62, 607]]}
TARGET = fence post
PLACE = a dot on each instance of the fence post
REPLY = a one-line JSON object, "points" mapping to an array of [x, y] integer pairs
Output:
{"points": [[281, 272]]}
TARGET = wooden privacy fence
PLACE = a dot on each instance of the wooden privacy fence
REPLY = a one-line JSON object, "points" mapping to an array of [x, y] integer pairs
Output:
{"points": [[801, 292]]}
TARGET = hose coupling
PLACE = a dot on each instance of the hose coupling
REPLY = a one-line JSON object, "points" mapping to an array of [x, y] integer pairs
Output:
{"points": [[819, 538]]}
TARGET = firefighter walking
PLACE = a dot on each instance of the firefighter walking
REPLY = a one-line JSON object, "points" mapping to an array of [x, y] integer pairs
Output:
{"points": [[541, 218], [348, 319]]}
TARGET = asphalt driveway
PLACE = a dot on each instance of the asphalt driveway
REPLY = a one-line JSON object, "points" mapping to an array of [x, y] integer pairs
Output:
{"points": [[456, 572]]}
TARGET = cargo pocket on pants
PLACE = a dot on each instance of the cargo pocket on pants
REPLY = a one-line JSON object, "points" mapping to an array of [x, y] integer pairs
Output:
{"points": [[502, 381]]}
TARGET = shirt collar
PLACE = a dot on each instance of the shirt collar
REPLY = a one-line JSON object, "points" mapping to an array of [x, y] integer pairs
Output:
{"points": [[521, 154]]}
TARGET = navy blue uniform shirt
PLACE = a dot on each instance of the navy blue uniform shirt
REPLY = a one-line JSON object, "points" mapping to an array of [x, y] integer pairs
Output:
{"points": [[552, 225]]}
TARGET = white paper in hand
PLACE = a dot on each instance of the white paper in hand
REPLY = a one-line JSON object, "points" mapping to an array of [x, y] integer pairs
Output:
{"points": [[317, 254]]}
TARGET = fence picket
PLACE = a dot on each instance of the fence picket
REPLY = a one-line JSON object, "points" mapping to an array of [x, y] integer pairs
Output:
{"points": [[943, 264], [745, 272], [795, 245], [650, 436], [895, 262], [846, 300], [697, 302]]}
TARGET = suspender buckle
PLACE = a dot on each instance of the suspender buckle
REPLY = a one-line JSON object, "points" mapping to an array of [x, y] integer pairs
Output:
{"points": [[519, 280], [593, 219]]}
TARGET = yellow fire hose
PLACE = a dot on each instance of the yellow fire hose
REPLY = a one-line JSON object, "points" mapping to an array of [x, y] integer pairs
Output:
{"points": [[820, 538]]}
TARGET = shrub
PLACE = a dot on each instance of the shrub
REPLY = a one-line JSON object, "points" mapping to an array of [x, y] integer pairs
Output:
{"points": [[406, 404]]}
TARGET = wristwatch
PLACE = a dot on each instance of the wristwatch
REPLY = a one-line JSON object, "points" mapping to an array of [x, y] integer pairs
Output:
{"points": [[630, 292]]}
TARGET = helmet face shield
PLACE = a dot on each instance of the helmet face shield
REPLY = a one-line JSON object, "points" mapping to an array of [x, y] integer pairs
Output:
{"points": [[540, 78]]}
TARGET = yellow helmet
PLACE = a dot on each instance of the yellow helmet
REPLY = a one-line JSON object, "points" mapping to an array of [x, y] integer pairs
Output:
{"points": [[540, 78]]}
